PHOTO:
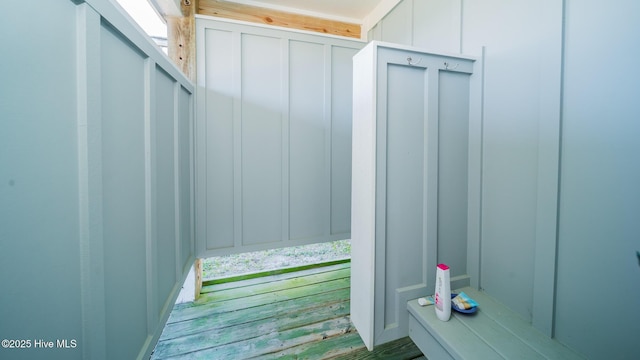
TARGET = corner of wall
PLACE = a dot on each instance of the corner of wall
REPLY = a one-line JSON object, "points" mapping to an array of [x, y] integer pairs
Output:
{"points": [[377, 14]]}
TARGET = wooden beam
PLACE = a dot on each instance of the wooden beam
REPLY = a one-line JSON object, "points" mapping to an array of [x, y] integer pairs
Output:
{"points": [[197, 267], [235, 11], [181, 36]]}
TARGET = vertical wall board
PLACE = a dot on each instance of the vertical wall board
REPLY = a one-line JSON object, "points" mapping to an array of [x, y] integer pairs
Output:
{"points": [[598, 234], [510, 143], [219, 130], [509, 191], [474, 158], [285, 108], [341, 105], [437, 25], [90, 185], [185, 179], [123, 141], [200, 149], [375, 33], [150, 186], [396, 27], [273, 172], [453, 163], [261, 139], [39, 215], [177, 183], [549, 138], [165, 184], [307, 136]]}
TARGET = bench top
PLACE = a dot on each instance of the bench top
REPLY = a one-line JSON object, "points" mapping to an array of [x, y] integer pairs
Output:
{"points": [[493, 332]]}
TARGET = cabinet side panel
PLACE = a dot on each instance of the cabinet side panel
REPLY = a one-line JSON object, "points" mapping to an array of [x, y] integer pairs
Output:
{"points": [[363, 196]]}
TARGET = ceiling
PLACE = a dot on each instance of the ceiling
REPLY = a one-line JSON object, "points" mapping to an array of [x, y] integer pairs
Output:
{"points": [[354, 11]]}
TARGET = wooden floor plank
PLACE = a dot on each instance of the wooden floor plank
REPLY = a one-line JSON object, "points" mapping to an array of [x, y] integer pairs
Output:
{"points": [[274, 341], [399, 349], [211, 286], [210, 309], [307, 304], [264, 288], [248, 330], [330, 348], [289, 315]]}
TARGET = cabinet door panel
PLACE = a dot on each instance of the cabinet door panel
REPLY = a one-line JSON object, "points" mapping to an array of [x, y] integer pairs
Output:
{"points": [[402, 117]]}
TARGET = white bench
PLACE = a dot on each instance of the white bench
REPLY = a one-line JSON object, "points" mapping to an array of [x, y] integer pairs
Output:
{"points": [[493, 332]]}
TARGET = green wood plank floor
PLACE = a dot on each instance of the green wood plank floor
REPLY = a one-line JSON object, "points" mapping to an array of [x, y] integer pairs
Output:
{"points": [[289, 315]]}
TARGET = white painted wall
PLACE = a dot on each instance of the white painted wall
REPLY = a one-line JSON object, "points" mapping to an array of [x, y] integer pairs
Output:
{"points": [[558, 153], [520, 54], [274, 137], [599, 195], [40, 268], [96, 195], [434, 25]]}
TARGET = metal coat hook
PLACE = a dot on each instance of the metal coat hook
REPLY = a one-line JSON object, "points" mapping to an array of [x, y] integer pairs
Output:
{"points": [[410, 61], [447, 66]]}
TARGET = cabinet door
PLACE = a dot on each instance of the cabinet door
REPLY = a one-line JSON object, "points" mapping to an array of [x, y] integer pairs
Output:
{"points": [[406, 181]]}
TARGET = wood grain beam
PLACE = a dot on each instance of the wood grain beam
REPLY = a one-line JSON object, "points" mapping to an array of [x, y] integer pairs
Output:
{"points": [[197, 267], [181, 36], [235, 11]]}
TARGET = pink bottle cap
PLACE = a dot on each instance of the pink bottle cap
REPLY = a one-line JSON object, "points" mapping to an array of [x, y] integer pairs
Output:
{"points": [[443, 267]]}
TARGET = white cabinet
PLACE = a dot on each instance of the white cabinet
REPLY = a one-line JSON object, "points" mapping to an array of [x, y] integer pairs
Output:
{"points": [[410, 147]]}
